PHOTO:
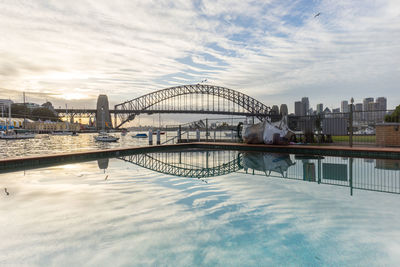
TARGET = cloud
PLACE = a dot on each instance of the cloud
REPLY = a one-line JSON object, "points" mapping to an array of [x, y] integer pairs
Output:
{"points": [[272, 50]]}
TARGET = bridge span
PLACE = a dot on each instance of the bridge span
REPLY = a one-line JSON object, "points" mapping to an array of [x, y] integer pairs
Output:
{"points": [[188, 99]]}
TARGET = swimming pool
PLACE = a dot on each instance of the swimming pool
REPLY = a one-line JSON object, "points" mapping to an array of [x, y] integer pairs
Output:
{"points": [[203, 208]]}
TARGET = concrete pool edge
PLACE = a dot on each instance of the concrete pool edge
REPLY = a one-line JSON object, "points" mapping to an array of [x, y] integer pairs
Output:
{"points": [[32, 162]]}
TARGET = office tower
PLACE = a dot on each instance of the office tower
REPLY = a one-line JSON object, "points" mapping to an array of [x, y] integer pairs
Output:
{"points": [[298, 108], [367, 113], [382, 103], [320, 108], [358, 112], [366, 101], [284, 110], [345, 106], [382, 106], [306, 105]]}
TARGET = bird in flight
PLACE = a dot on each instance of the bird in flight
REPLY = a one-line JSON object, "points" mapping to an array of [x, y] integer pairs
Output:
{"points": [[5, 190], [317, 15]]}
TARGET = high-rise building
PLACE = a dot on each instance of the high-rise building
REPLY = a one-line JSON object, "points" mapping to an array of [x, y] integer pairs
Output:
{"points": [[320, 108], [306, 105], [358, 112], [344, 106], [382, 106], [373, 115], [283, 110], [382, 103], [275, 110], [366, 101], [298, 108], [367, 115]]}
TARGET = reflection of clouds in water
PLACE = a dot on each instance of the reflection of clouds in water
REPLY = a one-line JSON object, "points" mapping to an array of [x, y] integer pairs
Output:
{"points": [[142, 217]]}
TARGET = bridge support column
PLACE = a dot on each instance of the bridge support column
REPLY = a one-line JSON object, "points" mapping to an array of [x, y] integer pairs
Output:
{"points": [[150, 137]]}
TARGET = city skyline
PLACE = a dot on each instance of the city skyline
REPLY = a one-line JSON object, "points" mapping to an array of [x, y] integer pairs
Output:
{"points": [[275, 52]]}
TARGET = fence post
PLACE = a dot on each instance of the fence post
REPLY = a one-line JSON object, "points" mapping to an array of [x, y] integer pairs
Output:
{"points": [[150, 137], [179, 134], [351, 123], [206, 130], [158, 137]]}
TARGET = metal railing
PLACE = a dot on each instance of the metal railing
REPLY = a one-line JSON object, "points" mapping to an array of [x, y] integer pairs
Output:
{"points": [[351, 128]]}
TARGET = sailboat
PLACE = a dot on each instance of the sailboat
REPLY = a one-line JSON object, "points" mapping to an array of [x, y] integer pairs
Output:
{"points": [[11, 134], [103, 135]]}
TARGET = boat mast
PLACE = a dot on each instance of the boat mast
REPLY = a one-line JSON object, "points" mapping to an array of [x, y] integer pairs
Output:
{"points": [[24, 110], [9, 116]]}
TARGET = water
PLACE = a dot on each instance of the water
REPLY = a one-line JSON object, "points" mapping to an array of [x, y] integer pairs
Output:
{"points": [[51, 144], [44, 144], [203, 208]]}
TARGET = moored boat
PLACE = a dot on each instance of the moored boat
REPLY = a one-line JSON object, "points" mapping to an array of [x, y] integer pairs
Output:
{"points": [[140, 135]]}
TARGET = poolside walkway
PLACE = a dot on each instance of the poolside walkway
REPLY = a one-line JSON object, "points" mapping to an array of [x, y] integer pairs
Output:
{"points": [[29, 162]]}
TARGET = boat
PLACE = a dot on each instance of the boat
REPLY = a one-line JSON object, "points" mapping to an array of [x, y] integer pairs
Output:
{"points": [[103, 135], [64, 133], [12, 135], [140, 135]]}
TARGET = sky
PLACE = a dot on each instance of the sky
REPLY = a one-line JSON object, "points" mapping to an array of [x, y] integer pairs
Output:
{"points": [[69, 52]]}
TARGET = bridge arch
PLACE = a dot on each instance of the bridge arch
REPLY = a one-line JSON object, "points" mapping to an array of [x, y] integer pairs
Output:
{"points": [[128, 110], [165, 162]]}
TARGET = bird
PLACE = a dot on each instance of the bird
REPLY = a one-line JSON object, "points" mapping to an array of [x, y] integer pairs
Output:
{"points": [[317, 15], [5, 190], [106, 177]]}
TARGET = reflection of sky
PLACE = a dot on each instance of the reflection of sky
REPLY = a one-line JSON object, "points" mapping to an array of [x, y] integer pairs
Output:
{"points": [[69, 215]]}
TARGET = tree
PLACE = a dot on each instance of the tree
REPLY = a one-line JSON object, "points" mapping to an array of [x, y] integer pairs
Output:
{"points": [[395, 116], [44, 114]]}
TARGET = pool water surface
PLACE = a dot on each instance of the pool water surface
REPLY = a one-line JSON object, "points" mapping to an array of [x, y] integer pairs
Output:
{"points": [[210, 208]]}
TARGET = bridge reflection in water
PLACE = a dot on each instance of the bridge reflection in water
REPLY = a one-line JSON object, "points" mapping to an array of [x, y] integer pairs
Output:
{"points": [[356, 173]]}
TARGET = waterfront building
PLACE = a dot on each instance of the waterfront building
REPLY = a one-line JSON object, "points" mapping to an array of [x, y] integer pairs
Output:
{"points": [[306, 105], [4, 103], [51, 126], [298, 108], [320, 108]]}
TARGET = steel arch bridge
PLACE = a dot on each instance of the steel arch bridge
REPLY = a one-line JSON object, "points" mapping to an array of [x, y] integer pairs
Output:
{"points": [[190, 99], [171, 163]]}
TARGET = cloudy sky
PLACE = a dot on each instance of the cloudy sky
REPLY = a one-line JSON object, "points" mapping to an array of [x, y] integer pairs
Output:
{"points": [[276, 51]]}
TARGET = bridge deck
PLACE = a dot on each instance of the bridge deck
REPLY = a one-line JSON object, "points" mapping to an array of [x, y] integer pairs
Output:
{"points": [[32, 162]]}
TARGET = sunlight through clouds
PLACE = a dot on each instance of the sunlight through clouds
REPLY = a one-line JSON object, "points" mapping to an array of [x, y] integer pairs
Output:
{"points": [[275, 51]]}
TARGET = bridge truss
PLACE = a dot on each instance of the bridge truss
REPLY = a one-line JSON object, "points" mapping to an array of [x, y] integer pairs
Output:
{"points": [[193, 164], [196, 98]]}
